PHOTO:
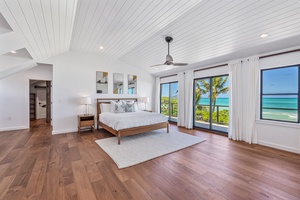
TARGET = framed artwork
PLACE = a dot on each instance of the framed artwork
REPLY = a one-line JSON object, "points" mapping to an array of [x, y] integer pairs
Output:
{"points": [[132, 84], [118, 83], [102, 82]]}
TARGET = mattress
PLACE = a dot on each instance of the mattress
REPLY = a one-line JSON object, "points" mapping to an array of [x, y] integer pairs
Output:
{"points": [[120, 121]]}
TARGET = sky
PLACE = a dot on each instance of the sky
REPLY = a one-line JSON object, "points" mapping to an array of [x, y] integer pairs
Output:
{"points": [[174, 88], [280, 80], [165, 89]]}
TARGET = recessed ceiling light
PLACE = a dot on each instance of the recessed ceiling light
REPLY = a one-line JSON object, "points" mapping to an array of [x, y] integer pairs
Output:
{"points": [[13, 52], [264, 35], [101, 47]]}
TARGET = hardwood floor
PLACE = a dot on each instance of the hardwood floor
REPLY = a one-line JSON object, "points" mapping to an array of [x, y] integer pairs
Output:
{"points": [[37, 165]]}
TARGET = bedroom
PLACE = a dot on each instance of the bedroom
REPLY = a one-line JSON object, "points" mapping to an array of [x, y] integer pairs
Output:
{"points": [[72, 67]]}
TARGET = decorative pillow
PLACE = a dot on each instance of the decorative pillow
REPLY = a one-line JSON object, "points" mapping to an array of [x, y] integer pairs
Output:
{"points": [[105, 107], [117, 107], [130, 107]]}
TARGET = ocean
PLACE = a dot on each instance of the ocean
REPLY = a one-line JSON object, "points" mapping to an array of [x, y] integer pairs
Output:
{"points": [[282, 103]]}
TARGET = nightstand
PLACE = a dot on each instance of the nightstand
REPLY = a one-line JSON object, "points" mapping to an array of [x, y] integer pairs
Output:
{"points": [[86, 122]]}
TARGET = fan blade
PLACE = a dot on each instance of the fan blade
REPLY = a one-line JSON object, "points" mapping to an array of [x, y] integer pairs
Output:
{"points": [[180, 64], [157, 65]]}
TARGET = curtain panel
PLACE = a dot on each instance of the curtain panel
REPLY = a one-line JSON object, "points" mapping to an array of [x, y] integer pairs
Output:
{"points": [[243, 100], [236, 101], [251, 97], [189, 99], [157, 95], [181, 99]]}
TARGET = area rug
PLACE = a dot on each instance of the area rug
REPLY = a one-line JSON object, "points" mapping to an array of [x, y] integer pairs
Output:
{"points": [[145, 146]]}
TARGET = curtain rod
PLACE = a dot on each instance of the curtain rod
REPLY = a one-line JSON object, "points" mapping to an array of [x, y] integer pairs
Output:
{"points": [[222, 65], [276, 54], [168, 76]]}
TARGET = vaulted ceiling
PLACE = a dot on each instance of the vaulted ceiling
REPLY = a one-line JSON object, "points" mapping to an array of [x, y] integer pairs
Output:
{"points": [[133, 31]]}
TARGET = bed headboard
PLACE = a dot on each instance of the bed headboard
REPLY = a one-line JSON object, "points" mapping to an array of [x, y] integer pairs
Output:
{"points": [[107, 100]]}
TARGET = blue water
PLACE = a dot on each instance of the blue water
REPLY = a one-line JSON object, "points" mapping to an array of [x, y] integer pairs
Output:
{"points": [[219, 102], [282, 103]]}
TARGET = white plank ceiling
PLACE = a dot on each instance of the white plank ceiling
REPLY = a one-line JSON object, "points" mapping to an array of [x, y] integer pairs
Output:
{"points": [[133, 30]]}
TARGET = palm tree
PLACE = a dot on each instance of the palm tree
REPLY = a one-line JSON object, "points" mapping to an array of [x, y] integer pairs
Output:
{"points": [[202, 87], [218, 87]]}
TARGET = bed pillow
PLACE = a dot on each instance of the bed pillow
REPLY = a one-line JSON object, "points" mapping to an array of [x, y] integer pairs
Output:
{"points": [[117, 107], [105, 107], [130, 107]]}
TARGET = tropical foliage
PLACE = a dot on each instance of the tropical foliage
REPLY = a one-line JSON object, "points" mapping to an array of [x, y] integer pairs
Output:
{"points": [[221, 117], [218, 87], [165, 106]]}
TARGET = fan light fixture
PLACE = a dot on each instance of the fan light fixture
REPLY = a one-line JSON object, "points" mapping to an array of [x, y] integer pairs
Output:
{"points": [[264, 35]]}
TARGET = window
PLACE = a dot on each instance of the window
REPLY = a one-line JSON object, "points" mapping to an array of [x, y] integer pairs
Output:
{"points": [[211, 108], [169, 100], [279, 94]]}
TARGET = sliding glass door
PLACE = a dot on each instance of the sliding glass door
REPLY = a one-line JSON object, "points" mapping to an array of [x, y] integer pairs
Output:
{"points": [[211, 103], [169, 100]]}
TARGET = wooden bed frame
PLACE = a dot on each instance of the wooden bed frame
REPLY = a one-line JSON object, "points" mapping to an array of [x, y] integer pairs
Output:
{"points": [[127, 131]]}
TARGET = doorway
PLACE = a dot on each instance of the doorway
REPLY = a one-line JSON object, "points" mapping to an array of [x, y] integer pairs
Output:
{"points": [[40, 101]]}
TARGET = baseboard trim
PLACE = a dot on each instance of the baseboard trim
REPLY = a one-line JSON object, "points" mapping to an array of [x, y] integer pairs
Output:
{"points": [[278, 146], [14, 128], [64, 131]]}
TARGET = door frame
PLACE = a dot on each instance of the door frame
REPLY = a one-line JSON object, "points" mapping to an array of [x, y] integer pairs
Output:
{"points": [[49, 100]]}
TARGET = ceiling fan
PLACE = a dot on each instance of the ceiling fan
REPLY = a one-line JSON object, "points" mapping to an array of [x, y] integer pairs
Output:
{"points": [[169, 59]]}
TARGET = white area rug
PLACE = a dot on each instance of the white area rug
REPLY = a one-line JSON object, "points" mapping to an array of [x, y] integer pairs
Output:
{"points": [[145, 146]]}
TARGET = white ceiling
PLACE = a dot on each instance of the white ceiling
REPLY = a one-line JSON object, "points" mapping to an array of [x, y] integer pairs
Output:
{"points": [[133, 31]]}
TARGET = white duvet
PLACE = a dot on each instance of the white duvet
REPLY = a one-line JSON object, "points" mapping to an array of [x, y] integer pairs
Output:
{"points": [[120, 121]]}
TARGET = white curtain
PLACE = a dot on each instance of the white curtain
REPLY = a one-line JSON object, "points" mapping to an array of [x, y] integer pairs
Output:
{"points": [[236, 106], [157, 95], [188, 98], [251, 97], [181, 99]]}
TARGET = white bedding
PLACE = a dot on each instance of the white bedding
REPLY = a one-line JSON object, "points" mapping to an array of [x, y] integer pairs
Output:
{"points": [[125, 120]]}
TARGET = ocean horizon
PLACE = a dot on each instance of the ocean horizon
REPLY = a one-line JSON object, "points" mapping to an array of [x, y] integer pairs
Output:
{"points": [[269, 107]]}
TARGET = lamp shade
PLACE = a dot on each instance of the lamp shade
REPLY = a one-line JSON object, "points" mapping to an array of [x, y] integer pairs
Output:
{"points": [[86, 100], [145, 99]]}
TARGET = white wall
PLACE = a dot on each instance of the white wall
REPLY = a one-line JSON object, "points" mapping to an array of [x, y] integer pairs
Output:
{"points": [[14, 97], [74, 76], [280, 135]]}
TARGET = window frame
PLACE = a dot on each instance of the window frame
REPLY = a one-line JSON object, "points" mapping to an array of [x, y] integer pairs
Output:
{"points": [[194, 97], [261, 96], [160, 86]]}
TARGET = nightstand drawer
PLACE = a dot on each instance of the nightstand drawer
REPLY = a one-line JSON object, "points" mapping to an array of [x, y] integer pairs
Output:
{"points": [[87, 123]]}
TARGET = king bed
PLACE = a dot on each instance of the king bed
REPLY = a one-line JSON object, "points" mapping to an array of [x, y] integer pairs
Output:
{"points": [[127, 123]]}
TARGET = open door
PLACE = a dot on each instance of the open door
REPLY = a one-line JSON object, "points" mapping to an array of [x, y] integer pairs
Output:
{"points": [[48, 102], [40, 100]]}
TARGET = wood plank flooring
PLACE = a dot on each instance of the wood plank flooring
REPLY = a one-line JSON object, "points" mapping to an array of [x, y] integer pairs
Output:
{"points": [[37, 165]]}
